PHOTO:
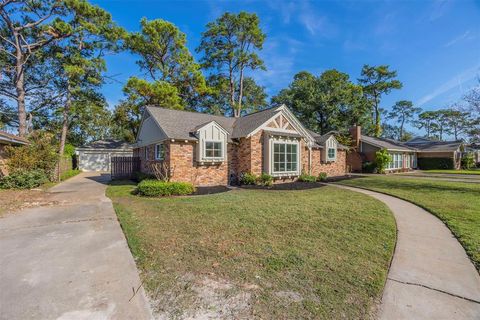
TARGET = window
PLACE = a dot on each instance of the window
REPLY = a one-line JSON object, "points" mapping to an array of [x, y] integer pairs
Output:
{"points": [[146, 152], [331, 153], [285, 157], [213, 149], [159, 151]]}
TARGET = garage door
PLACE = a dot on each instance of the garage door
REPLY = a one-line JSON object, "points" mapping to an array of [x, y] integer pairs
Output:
{"points": [[94, 161]]}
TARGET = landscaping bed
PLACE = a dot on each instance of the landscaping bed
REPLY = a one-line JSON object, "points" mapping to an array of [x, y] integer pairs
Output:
{"points": [[316, 253], [457, 204], [472, 171]]}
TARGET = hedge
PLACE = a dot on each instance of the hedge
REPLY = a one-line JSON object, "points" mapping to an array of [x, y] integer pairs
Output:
{"points": [[153, 188], [24, 179], [435, 163]]}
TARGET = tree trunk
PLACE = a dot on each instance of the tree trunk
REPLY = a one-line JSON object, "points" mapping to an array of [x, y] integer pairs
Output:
{"points": [[240, 95], [401, 129], [65, 113], [378, 127], [232, 93], [20, 89]]}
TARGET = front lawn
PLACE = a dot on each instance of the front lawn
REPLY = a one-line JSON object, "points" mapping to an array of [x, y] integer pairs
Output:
{"points": [[317, 253], [473, 171], [455, 203]]}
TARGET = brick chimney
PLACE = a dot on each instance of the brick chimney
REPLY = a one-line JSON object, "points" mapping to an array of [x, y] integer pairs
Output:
{"points": [[356, 133]]}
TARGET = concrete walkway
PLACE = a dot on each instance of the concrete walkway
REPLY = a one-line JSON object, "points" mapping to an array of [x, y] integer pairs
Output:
{"points": [[451, 178], [69, 261], [431, 276]]}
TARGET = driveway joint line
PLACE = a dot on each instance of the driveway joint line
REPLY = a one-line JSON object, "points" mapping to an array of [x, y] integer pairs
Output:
{"points": [[57, 223]]}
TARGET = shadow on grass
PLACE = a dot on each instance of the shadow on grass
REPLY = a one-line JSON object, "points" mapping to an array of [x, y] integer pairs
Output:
{"points": [[287, 186]]}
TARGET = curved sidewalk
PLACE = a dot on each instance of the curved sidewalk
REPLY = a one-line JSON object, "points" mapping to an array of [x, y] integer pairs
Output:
{"points": [[431, 276]]}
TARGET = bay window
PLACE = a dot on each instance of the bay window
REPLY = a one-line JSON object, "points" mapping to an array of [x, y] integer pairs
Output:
{"points": [[285, 157]]}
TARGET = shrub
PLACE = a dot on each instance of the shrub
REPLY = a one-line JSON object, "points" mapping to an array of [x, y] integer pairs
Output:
{"points": [[153, 188], [40, 154], [307, 178], [140, 176], [265, 179], [322, 176], [248, 178], [468, 161], [382, 159], [69, 173], [69, 150], [368, 167], [435, 163], [23, 179]]}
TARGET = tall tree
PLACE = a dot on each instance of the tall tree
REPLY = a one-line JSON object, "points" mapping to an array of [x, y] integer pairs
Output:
{"points": [[327, 102], [403, 112], [442, 123], [229, 47], [378, 81], [217, 100], [426, 121], [27, 27], [167, 61]]}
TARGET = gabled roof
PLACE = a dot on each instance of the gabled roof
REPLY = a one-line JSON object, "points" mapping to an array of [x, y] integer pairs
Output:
{"points": [[182, 125], [107, 144], [9, 138], [388, 144], [426, 145]]}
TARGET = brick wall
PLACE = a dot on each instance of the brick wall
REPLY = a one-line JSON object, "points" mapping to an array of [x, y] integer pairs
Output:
{"points": [[354, 161], [250, 154], [333, 169], [3, 161]]}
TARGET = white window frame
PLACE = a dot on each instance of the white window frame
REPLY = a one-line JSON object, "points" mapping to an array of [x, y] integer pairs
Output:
{"points": [[272, 158], [146, 152], [162, 152], [222, 150], [334, 154]]}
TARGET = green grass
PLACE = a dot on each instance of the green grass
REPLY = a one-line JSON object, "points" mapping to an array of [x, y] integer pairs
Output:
{"points": [[317, 253], [457, 204], [69, 174], [473, 171]]}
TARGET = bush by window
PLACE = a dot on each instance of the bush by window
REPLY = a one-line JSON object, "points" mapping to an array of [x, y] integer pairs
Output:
{"points": [[248, 178], [468, 161], [154, 188], [265, 179], [322, 176], [307, 178]]}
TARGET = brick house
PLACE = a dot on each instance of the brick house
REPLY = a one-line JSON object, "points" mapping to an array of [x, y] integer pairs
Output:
{"points": [[406, 156], [211, 150], [7, 139]]}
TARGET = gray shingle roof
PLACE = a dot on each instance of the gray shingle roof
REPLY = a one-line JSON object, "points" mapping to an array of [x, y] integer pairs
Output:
{"points": [[435, 146], [108, 144], [388, 144], [9, 138], [181, 124]]}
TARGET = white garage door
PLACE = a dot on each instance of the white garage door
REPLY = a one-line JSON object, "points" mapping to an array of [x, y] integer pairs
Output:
{"points": [[94, 161]]}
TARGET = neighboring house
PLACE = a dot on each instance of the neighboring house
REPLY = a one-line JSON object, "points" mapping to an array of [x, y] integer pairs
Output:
{"points": [[7, 139], [215, 150], [96, 156], [474, 148], [409, 155]]}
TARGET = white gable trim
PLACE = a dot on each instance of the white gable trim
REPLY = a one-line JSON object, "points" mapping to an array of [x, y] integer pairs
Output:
{"points": [[283, 110], [213, 122]]}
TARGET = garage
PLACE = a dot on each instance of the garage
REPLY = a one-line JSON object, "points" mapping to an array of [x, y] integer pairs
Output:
{"points": [[96, 155]]}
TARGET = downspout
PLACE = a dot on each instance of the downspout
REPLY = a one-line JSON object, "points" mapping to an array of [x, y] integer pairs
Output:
{"points": [[309, 160]]}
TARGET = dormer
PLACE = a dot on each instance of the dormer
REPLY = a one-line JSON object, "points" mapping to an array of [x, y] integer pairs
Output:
{"points": [[212, 143], [330, 149]]}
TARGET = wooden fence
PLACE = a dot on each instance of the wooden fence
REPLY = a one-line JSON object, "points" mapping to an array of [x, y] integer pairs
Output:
{"points": [[124, 167]]}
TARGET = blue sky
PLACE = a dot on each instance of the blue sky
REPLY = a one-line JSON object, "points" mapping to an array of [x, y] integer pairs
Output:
{"points": [[434, 45]]}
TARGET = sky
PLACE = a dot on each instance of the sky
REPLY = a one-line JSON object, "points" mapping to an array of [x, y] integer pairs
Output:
{"points": [[433, 45]]}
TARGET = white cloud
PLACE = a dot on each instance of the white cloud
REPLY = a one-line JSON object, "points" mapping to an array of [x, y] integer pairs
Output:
{"points": [[455, 82], [464, 36]]}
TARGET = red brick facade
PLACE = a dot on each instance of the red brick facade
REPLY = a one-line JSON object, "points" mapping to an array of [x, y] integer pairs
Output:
{"points": [[244, 155]]}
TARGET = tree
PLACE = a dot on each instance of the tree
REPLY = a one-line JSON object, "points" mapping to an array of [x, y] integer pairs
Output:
{"points": [[166, 59], [403, 112], [327, 102], [441, 126], [27, 27], [126, 119], [217, 101], [229, 46], [378, 81], [382, 159], [426, 121], [457, 121]]}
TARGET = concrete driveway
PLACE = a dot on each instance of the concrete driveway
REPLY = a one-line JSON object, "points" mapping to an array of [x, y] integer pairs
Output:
{"points": [[69, 261]]}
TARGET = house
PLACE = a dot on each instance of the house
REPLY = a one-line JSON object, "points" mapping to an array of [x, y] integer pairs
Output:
{"points": [[211, 150], [7, 139], [417, 153], [474, 148], [96, 156]]}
